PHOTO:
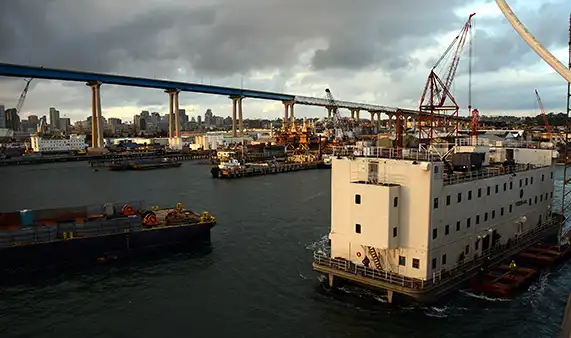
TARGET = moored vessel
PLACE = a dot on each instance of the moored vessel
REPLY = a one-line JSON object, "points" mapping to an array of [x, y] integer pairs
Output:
{"points": [[37, 239], [419, 224]]}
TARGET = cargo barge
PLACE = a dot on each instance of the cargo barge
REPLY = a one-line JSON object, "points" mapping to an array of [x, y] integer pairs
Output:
{"points": [[38, 239], [235, 169], [420, 224], [146, 164]]}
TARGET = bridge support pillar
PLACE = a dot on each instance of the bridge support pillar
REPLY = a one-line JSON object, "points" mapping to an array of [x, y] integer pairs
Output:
{"points": [[237, 120], [96, 119], [378, 121], [289, 117], [329, 111], [174, 118], [390, 122]]}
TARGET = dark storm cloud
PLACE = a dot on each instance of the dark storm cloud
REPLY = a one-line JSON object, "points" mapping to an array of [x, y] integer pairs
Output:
{"points": [[219, 38]]}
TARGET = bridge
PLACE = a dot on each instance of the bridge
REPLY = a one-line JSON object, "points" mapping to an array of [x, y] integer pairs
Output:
{"points": [[173, 88]]}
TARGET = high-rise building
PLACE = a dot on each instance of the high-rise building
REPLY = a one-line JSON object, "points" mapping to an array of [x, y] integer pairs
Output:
{"points": [[65, 125], [2, 116], [208, 121], [12, 119], [54, 117]]}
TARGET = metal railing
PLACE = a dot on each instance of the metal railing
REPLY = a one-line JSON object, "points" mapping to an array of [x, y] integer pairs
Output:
{"points": [[504, 143], [457, 178], [390, 153], [443, 276]]}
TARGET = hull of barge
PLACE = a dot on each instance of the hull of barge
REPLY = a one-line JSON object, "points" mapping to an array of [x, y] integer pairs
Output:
{"points": [[90, 249]]}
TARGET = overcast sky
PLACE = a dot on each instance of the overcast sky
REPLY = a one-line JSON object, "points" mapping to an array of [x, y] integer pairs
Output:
{"points": [[371, 51]]}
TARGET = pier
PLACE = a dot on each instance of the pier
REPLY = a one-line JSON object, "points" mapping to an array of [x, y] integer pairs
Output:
{"points": [[431, 289], [97, 160], [258, 171]]}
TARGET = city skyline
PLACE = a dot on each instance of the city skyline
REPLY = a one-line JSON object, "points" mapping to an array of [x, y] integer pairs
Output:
{"points": [[371, 54]]}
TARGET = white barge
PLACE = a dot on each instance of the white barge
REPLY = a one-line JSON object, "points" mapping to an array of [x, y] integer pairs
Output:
{"points": [[419, 224]]}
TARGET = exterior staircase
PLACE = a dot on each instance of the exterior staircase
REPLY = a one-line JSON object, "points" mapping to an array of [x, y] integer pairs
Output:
{"points": [[376, 258]]}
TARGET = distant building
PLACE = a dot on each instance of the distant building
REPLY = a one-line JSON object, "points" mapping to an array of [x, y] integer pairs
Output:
{"points": [[65, 125], [46, 145], [208, 120], [2, 117], [12, 119], [54, 117]]}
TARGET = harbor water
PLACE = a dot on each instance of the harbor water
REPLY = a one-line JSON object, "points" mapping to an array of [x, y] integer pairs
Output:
{"points": [[255, 281]]}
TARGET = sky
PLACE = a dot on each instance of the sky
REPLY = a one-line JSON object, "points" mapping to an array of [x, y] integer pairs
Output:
{"points": [[369, 51]]}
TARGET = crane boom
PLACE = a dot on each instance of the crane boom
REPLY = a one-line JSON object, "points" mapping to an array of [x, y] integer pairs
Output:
{"points": [[547, 126], [23, 97], [557, 65]]}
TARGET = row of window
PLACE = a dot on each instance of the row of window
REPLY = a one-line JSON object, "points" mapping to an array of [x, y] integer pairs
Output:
{"points": [[435, 201], [358, 230], [358, 200], [485, 218], [489, 190], [415, 262]]}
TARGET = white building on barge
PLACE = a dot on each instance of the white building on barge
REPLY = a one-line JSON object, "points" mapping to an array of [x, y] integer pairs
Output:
{"points": [[410, 223]]}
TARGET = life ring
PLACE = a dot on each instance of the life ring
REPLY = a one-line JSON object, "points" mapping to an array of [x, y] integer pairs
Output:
{"points": [[127, 210], [358, 254], [150, 219]]}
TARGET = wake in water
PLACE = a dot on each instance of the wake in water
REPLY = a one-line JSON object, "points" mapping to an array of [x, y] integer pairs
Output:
{"points": [[320, 246]]}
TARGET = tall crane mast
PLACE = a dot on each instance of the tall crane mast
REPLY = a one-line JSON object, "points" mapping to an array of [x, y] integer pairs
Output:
{"points": [[542, 109], [437, 100], [342, 131]]}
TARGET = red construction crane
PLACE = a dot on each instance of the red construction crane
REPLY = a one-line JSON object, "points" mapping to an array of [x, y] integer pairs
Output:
{"points": [[547, 126], [437, 100]]}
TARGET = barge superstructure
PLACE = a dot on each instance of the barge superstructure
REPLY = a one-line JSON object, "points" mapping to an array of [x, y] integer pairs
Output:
{"points": [[420, 223]]}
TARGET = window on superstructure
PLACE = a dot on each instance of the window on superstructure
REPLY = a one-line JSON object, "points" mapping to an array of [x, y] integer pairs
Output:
{"points": [[447, 229], [551, 194], [511, 185], [510, 211], [402, 260], [469, 195], [436, 203], [502, 211], [416, 263], [520, 182], [526, 180], [459, 197], [468, 222], [396, 202], [434, 263], [479, 192], [542, 177], [477, 219], [467, 249], [357, 199], [358, 228], [477, 245], [552, 175], [535, 202], [485, 217], [488, 191], [395, 232], [497, 189], [493, 214], [434, 233], [546, 196], [444, 259], [531, 180], [458, 226], [529, 201], [448, 200], [541, 198], [505, 186]]}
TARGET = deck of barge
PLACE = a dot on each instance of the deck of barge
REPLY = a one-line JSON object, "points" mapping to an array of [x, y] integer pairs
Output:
{"points": [[439, 284]]}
